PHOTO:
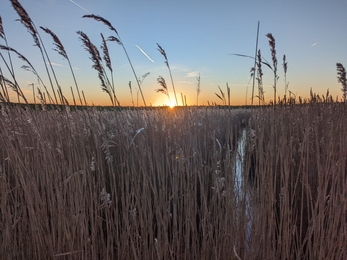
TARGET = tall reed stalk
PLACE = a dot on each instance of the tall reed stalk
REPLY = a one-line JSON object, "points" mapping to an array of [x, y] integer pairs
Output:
{"points": [[341, 77], [272, 45], [120, 42], [29, 24], [162, 52], [59, 48]]}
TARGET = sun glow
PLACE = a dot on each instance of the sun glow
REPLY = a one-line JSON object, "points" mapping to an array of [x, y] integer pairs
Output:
{"points": [[171, 104], [163, 100]]}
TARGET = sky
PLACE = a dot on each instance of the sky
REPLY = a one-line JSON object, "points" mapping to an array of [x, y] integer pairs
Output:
{"points": [[199, 38]]}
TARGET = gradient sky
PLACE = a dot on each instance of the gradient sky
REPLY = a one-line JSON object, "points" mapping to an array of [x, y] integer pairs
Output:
{"points": [[198, 37]]}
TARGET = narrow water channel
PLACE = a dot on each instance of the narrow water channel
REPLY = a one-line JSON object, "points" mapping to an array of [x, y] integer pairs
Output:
{"points": [[241, 194]]}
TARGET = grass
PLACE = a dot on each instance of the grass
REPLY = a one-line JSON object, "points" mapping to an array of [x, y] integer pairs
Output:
{"points": [[158, 183]]}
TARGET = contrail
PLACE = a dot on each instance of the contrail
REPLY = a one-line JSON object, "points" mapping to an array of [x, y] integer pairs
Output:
{"points": [[145, 53], [80, 6], [314, 44]]}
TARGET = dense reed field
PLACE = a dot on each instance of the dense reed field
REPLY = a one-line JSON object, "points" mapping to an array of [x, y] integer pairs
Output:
{"points": [[162, 184]]}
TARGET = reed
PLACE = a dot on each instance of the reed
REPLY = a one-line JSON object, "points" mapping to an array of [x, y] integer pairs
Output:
{"points": [[97, 65], [29, 24], [272, 44], [341, 77], [164, 90], [163, 53], [160, 183], [59, 48], [198, 89], [120, 42]]}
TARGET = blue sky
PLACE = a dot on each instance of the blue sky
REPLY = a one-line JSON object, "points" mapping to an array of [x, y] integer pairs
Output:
{"points": [[198, 37]]}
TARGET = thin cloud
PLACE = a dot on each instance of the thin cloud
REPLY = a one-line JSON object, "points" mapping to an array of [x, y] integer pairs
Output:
{"points": [[56, 64], [144, 53], [314, 44], [60, 65], [184, 82], [80, 6], [192, 74]]}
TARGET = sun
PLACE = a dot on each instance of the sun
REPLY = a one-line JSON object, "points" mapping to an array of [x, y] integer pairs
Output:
{"points": [[171, 104]]}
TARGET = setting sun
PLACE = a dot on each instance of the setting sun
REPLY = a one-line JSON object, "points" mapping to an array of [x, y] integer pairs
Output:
{"points": [[171, 104]]}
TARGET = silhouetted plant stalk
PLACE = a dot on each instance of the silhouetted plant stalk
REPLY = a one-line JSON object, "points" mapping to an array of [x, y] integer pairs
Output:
{"points": [[272, 44], [255, 60], [341, 78], [162, 52], [198, 89], [28, 67], [59, 48], [221, 96], [119, 41], [3, 36], [108, 62], [260, 96], [163, 88], [131, 93], [228, 91], [97, 64], [29, 24], [286, 84]]}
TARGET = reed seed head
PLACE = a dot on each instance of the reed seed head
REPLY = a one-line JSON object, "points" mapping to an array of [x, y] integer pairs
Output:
{"points": [[26, 20], [272, 44], [162, 52], [341, 78], [59, 46], [106, 56], [101, 19], [2, 33], [95, 57], [114, 39], [285, 64]]}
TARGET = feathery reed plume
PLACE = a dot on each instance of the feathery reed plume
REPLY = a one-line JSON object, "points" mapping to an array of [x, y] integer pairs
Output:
{"points": [[341, 78], [221, 96], [3, 36], [2, 32], [59, 48], [198, 89], [119, 41], [162, 52], [106, 53], [108, 63], [260, 79], [163, 88], [131, 93], [26, 20], [272, 45], [97, 62], [285, 67], [3, 97], [103, 20], [28, 67], [29, 24]]}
